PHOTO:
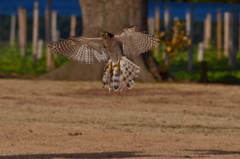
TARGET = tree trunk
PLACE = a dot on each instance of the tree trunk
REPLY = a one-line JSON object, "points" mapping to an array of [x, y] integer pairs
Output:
{"points": [[111, 16]]}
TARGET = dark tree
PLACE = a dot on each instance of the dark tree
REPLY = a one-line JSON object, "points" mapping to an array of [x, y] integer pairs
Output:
{"points": [[111, 16]]}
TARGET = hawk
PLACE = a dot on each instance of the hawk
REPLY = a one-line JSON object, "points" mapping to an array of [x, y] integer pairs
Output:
{"points": [[114, 48]]}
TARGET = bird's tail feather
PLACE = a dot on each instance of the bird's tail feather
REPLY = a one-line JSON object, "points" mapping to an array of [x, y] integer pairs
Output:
{"points": [[116, 78], [116, 75], [129, 72]]}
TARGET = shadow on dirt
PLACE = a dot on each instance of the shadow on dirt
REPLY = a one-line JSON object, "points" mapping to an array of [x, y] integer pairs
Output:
{"points": [[213, 152], [100, 155]]}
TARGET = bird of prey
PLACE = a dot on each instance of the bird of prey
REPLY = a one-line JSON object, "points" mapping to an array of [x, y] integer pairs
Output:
{"points": [[114, 48]]}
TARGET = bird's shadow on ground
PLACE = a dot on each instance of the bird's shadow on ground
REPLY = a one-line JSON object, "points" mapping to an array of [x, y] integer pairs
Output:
{"points": [[213, 152], [100, 155], [119, 154]]}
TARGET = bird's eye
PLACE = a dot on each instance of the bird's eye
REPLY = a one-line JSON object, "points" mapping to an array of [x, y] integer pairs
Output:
{"points": [[106, 33]]}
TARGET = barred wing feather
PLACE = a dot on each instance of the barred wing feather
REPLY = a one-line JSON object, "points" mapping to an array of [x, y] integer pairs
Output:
{"points": [[84, 50], [135, 43]]}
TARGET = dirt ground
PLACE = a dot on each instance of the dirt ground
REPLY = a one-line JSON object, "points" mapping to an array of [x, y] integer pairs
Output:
{"points": [[61, 119]]}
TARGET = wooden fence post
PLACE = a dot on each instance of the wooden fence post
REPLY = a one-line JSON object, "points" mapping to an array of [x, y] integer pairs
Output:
{"points": [[157, 27], [166, 29], [54, 26], [39, 49], [239, 32], [73, 25], [48, 35], [20, 34], [200, 52], [175, 27], [175, 19], [226, 33], [166, 18], [12, 30], [151, 26], [219, 34], [24, 12], [188, 23], [233, 40], [35, 31], [22, 30], [207, 31], [189, 30]]}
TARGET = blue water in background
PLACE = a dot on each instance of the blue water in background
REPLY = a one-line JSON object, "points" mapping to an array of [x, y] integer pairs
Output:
{"points": [[66, 8]]}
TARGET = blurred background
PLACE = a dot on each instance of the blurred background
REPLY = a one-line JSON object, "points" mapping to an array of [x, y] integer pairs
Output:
{"points": [[200, 40]]}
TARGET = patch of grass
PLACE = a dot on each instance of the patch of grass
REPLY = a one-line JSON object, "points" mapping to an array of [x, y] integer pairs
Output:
{"points": [[218, 70], [12, 62]]}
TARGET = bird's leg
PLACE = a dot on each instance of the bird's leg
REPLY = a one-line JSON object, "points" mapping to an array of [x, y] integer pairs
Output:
{"points": [[117, 65], [107, 73], [109, 66], [116, 78]]}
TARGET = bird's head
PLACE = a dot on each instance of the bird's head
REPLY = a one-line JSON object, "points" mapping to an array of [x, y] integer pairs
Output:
{"points": [[106, 34]]}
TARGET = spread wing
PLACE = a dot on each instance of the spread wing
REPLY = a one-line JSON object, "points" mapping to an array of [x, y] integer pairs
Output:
{"points": [[135, 43], [81, 49]]}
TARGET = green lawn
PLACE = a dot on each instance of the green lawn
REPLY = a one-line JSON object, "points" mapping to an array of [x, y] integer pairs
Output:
{"points": [[218, 70], [12, 62]]}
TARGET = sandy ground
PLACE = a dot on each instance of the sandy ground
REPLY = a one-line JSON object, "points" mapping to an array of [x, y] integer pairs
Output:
{"points": [[60, 119]]}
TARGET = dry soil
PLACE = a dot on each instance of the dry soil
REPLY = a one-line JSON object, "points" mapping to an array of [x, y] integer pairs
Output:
{"points": [[61, 119]]}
